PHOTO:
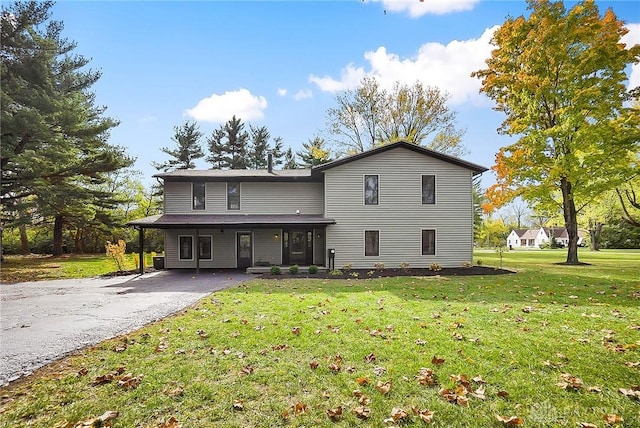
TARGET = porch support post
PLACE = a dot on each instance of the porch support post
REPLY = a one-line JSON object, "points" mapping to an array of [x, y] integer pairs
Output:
{"points": [[141, 248], [197, 251]]}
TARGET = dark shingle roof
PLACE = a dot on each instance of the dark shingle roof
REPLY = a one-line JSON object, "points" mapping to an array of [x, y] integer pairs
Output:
{"points": [[166, 221], [477, 169], [239, 174]]}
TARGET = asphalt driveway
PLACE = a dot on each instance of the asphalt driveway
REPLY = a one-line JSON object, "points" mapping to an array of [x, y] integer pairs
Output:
{"points": [[44, 321]]}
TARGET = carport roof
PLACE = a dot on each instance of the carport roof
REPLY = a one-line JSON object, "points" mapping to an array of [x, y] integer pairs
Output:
{"points": [[175, 221]]}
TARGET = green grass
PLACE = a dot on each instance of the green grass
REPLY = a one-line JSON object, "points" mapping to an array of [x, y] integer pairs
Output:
{"points": [[519, 332], [38, 268]]}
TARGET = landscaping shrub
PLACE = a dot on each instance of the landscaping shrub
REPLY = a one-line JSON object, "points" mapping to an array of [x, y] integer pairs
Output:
{"points": [[275, 270], [294, 269], [313, 269]]}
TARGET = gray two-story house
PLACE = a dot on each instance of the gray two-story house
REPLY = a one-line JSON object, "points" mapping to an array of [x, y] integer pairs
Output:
{"points": [[398, 203]]}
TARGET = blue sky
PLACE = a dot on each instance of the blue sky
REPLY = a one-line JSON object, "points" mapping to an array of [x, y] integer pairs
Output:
{"points": [[279, 63]]}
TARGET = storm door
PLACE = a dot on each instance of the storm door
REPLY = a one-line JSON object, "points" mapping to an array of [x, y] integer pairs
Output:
{"points": [[300, 248], [244, 250]]}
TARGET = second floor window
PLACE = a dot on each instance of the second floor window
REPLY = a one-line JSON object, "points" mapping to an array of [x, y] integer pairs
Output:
{"points": [[233, 196], [428, 189], [371, 190], [198, 191]]}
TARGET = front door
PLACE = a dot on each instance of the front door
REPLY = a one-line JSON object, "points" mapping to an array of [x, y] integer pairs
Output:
{"points": [[299, 247], [244, 250]]}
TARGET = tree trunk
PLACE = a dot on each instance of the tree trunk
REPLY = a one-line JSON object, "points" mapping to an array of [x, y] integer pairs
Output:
{"points": [[58, 223], [571, 221], [595, 229], [24, 240]]}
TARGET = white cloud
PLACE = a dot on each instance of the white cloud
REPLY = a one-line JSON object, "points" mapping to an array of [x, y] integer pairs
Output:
{"points": [[302, 94], [448, 67], [417, 8], [220, 108], [282, 92], [630, 39]]}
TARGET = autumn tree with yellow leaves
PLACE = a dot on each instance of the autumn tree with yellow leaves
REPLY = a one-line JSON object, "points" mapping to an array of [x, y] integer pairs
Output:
{"points": [[559, 77]]}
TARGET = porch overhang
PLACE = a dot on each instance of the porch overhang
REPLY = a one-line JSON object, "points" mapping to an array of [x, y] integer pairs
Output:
{"points": [[230, 221]]}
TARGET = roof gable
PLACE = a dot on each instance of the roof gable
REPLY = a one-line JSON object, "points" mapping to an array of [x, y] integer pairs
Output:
{"points": [[477, 169]]}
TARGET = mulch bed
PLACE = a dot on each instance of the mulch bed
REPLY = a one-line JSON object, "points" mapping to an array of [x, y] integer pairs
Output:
{"points": [[385, 273]]}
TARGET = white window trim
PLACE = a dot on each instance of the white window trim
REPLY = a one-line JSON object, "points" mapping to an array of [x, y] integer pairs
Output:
{"points": [[211, 247], [179, 248], [435, 190], [435, 241], [364, 189], [239, 196], [364, 241], [205, 197]]}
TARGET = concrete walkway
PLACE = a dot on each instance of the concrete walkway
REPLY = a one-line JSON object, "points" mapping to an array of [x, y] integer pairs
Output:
{"points": [[44, 321]]}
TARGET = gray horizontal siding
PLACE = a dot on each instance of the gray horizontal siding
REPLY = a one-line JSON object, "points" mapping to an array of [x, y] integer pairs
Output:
{"points": [[400, 215], [266, 247], [255, 198]]}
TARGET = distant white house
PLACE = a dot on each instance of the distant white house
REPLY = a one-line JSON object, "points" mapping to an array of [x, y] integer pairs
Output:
{"points": [[533, 238]]}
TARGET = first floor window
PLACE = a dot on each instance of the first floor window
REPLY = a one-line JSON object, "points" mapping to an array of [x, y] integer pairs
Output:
{"points": [[198, 190], [205, 248], [185, 250], [233, 196], [371, 242], [371, 190], [428, 242]]}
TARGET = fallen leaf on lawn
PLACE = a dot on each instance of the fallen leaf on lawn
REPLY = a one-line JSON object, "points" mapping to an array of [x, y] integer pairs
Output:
{"points": [[612, 419], [244, 321], [357, 393], [397, 415], [161, 347], [528, 309], [437, 361], [279, 347], [238, 405], [594, 389], [633, 392], [129, 381], [335, 414], [313, 364], [479, 393], [82, 372], [296, 331], [424, 415], [172, 422], [426, 377], [587, 425], [247, 370], [180, 351], [334, 367], [362, 412], [363, 381], [478, 379], [379, 371], [509, 421], [177, 392], [370, 358], [420, 342], [456, 396], [383, 387], [457, 336], [569, 382], [632, 364], [108, 377], [503, 394], [120, 348], [101, 421], [299, 408]]}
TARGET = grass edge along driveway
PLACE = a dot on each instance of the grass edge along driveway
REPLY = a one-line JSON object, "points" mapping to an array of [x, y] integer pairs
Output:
{"points": [[548, 346]]}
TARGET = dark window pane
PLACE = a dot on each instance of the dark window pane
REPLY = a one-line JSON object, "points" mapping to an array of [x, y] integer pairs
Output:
{"points": [[186, 248], [371, 190], [371, 243], [204, 248], [233, 196], [428, 242], [428, 189], [198, 190]]}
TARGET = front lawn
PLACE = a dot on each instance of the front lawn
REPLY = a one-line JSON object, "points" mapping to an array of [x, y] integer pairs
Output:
{"points": [[550, 346]]}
